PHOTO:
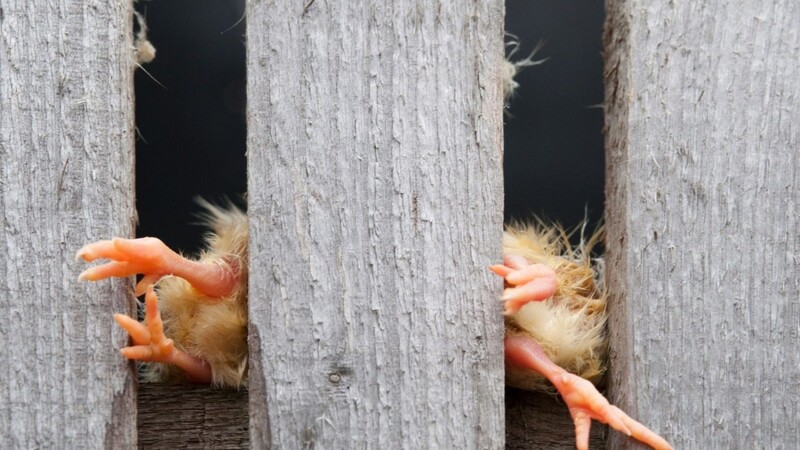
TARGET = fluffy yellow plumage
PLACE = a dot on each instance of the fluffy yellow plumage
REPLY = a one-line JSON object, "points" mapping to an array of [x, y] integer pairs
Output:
{"points": [[570, 327], [555, 326], [195, 324], [214, 329]]}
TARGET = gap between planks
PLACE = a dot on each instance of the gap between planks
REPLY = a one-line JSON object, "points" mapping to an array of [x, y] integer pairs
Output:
{"points": [[535, 420], [185, 416], [173, 416]]}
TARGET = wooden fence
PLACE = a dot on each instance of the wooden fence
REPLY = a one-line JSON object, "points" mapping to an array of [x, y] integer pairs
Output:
{"points": [[375, 193]]}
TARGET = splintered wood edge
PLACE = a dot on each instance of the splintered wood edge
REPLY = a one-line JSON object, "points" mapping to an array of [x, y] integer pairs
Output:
{"points": [[184, 416], [181, 416]]}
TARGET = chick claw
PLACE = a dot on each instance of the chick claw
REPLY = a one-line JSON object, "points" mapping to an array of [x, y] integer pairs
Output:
{"points": [[586, 403], [148, 256], [152, 258], [525, 282], [151, 345], [582, 398]]}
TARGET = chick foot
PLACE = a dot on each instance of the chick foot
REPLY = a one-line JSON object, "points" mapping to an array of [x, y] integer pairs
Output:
{"points": [[582, 398], [151, 345], [525, 282], [153, 259]]}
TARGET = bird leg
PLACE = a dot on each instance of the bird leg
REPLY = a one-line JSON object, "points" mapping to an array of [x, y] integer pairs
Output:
{"points": [[582, 398], [152, 258], [525, 282], [150, 344]]}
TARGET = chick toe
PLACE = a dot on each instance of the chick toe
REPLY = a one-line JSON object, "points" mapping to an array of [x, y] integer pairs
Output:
{"points": [[525, 282]]}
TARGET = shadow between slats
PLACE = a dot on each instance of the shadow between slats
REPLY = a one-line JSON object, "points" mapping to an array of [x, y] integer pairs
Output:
{"points": [[178, 416], [184, 416], [539, 421]]}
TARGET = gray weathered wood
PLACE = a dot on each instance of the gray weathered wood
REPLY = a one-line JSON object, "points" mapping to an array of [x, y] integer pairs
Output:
{"points": [[66, 178], [375, 200], [179, 416], [702, 218]]}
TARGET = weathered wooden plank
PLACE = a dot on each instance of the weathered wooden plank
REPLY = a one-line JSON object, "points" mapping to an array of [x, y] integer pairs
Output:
{"points": [[375, 198], [66, 178], [702, 219], [179, 416]]}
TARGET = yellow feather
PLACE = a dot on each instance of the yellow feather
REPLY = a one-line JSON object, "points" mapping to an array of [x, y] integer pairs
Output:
{"points": [[570, 327], [214, 329]]}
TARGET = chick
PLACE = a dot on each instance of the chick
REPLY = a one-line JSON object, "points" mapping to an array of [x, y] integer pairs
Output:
{"points": [[555, 326], [203, 303], [195, 325]]}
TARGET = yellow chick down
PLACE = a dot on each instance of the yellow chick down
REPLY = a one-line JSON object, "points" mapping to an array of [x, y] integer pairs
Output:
{"points": [[570, 327], [214, 329]]}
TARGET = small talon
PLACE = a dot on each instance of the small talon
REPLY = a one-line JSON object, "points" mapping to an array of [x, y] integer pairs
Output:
{"points": [[82, 253], [86, 275], [145, 283], [501, 270], [139, 352], [525, 282], [148, 337], [515, 262], [618, 424], [530, 273], [138, 332], [99, 249]]}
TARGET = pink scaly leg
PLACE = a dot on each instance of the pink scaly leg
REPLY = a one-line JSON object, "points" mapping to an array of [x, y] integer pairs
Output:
{"points": [[582, 398]]}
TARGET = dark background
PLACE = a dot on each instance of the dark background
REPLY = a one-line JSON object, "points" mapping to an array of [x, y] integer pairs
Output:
{"points": [[554, 161], [192, 130]]}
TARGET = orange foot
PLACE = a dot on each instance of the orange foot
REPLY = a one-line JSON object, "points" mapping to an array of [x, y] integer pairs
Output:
{"points": [[152, 258], [586, 403], [150, 343], [525, 282], [582, 398]]}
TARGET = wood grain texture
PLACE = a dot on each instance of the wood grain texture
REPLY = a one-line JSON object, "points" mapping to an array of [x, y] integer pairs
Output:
{"points": [[703, 194], [375, 205], [66, 178], [179, 416], [539, 421]]}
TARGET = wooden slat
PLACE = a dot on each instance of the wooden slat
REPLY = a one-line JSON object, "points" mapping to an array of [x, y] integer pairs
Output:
{"points": [[375, 198], [702, 218], [178, 416], [66, 178]]}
